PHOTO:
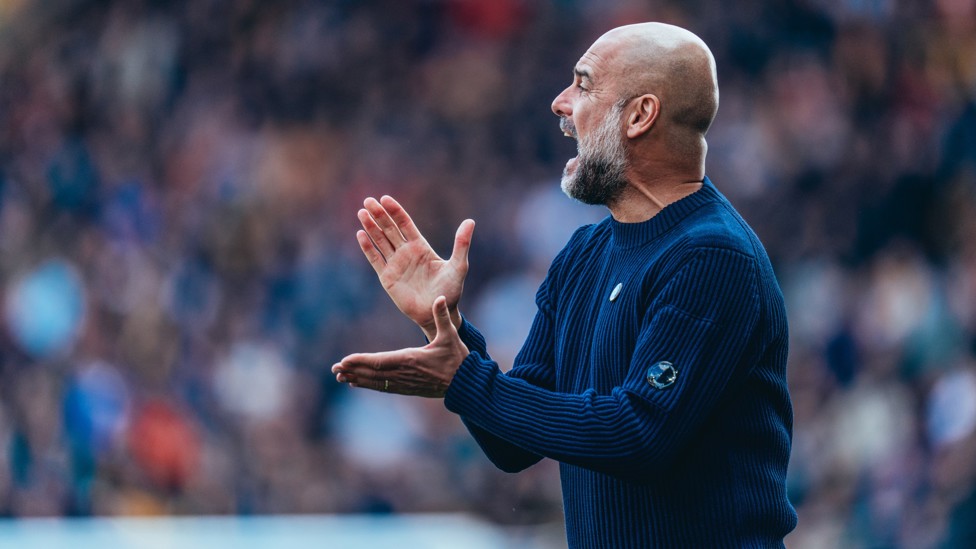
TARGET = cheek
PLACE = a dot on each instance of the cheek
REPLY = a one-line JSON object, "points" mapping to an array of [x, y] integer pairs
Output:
{"points": [[585, 119]]}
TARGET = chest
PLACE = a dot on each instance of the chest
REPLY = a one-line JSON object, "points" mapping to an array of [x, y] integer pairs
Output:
{"points": [[599, 318]]}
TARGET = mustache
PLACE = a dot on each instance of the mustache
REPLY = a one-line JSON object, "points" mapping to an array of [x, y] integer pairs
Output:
{"points": [[567, 126]]}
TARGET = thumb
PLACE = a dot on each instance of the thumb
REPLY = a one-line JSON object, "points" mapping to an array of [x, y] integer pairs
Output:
{"points": [[462, 243], [442, 319]]}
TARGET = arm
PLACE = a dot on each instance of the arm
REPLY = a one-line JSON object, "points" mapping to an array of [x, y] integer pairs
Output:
{"points": [[401, 371], [702, 323], [534, 365], [413, 275]]}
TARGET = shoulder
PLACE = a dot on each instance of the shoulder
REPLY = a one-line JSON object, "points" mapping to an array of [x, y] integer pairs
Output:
{"points": [[711, 249], [573, 256], [589, 233], [717, 226], [584, 240]]}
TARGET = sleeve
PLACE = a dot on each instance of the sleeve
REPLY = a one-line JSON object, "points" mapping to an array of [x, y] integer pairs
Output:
{"points": [[701, 322], [472, 337], [533, 365]]}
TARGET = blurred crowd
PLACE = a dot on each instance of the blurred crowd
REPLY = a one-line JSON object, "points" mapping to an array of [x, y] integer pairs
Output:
{"points": [[179, 183]]}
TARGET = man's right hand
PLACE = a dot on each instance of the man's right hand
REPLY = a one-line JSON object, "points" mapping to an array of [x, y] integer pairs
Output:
{"points": [[411, 272]]}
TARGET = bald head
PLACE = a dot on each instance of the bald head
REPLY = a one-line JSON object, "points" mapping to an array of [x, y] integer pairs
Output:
{"points": [[669, 62], [641, 100]]}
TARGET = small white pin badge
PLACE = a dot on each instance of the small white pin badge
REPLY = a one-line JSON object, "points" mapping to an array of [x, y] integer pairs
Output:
{"points": [[616, 291]]}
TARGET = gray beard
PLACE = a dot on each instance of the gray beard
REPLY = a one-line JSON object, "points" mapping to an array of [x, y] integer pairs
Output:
{"points": [[597, 181], [599, 177]]}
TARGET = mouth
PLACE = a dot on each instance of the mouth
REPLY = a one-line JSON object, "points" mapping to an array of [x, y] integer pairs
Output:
{"points": [[568, 128]]}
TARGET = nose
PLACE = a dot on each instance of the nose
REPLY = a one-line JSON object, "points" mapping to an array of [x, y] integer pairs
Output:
{"points": [[561, 105]]}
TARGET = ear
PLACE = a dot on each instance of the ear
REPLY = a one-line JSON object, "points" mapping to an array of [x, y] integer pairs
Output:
{"points": [[643, 114]]}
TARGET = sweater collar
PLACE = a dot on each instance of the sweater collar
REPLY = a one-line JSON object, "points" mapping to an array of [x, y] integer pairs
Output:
{"points": [[628, 235]]}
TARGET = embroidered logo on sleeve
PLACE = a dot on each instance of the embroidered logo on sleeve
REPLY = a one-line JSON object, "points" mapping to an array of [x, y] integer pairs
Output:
{"points": [[662, 375]]}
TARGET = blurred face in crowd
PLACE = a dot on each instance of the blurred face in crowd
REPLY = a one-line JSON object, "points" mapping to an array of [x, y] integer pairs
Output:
{"points": [[590, 113]]}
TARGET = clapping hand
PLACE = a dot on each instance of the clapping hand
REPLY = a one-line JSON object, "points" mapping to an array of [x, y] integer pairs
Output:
{"points": [[420, 371], [411, 272]]}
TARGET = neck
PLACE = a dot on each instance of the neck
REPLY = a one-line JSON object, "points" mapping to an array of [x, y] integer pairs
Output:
{"points": [[675, 172], [642, 200]]}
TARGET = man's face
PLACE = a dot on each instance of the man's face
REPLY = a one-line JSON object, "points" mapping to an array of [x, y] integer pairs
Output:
{"points": [[596, 175], [590, 113]]}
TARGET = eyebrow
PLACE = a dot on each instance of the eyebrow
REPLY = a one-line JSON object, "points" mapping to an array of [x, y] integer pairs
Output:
{"points": [[582, 73]]}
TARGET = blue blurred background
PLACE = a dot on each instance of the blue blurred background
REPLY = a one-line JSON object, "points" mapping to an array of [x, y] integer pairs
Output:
{"points": [[178, 189]]}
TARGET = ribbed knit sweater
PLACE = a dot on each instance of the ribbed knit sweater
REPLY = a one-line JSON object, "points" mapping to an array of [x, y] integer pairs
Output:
{"points": [[665, 402]]}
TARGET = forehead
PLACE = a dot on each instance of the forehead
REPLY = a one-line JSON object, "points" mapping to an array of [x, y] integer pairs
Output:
{"points": [[599, 60]]}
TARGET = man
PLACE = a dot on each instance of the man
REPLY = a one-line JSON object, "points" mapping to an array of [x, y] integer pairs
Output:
{"points": [[654, 371]]}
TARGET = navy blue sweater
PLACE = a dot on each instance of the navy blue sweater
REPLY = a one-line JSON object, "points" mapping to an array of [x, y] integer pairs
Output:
{"points": [[665, 401]]}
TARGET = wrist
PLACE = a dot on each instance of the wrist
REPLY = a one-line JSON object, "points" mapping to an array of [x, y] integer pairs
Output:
{"points": [[430, 331]]}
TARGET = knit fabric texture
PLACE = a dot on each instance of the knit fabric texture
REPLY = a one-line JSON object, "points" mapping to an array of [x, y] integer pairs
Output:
{"points": [[664, 401]]}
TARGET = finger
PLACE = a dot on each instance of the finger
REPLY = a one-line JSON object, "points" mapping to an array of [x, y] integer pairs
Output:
{"points": [[340, 375], [385, 222], [462, 244], [365, 363], [374, 257], [375, 233], [359, 377], [343, 376], [442, 320], [382, 386], [360, 381], [356, 372], [402, 219], [356, 381]]}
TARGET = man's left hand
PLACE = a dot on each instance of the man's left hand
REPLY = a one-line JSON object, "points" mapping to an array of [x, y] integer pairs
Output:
{"points": [[419, 371]]}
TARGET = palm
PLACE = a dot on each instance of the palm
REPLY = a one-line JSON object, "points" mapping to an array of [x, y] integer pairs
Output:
{"points": [[411, 272], [415, 276]]}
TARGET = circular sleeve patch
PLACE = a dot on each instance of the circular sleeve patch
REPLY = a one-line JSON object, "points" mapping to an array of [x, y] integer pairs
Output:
{"points": [[662, 375]]}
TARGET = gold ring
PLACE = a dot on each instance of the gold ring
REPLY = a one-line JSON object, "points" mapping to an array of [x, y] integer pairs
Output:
{"points": [[386, 384]]}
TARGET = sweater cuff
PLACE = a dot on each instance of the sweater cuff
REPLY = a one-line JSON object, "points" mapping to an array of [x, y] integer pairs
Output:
{"points": [[472, 337], [470, 383]]}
